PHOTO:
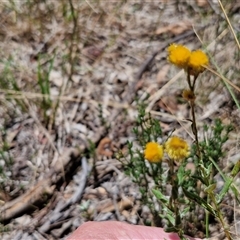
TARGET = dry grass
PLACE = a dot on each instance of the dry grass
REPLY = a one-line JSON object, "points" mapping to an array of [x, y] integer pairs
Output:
{"points": [[87, 54]]}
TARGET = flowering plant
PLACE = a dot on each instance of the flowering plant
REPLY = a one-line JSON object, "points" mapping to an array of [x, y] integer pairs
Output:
{"points": [[160, 167]]}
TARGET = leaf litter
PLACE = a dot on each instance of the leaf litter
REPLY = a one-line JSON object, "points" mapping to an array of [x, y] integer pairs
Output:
{"points": [[47, 190]]}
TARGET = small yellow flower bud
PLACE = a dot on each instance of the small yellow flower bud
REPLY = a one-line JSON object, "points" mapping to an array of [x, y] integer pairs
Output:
{"points": [[188, 95]]}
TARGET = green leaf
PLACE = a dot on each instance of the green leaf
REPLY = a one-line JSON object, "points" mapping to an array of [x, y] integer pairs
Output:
{"points": [[160, 196], [233, 188], [181, 175], [171, 229], [209, 169], [236, 193], [168, 212], [236, 169], [224, 190], [169, 215], [200, 201], [210, 188], [184, 212]]}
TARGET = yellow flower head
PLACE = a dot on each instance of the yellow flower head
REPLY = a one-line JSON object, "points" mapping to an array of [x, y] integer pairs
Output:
{"points": [[196, 61], [178, 55], [177, 148], [153, 152], [172, 47]]}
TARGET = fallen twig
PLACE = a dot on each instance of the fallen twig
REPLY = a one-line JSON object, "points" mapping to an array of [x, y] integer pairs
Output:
{"points": [[35, 193]]}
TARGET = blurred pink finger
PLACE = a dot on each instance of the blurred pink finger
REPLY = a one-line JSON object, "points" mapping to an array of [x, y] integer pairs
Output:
{"points": [[117, 230]]}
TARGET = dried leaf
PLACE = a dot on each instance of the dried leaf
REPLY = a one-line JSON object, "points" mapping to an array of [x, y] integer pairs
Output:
{"points": [[104, 147], [176, 28], [161, 76], [169, 103], [202, 3], [92, 52]]}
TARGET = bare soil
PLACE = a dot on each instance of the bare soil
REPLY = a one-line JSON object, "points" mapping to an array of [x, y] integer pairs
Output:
{"points": [[99, 59]]}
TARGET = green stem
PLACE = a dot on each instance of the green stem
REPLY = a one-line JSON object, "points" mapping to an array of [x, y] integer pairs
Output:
{"points": [[207, 219], [220, 217], [194, 127], [192, 105], [174, 198]]}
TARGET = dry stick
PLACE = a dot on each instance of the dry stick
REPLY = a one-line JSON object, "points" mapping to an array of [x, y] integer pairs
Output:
{"points": [[29, 95], [74, 33], [229, 24], [57, 213], [157, 95], [22, 203]]}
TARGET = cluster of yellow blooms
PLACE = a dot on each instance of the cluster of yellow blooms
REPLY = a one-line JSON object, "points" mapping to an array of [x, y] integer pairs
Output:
{"points": [[175, 147], [182, 57], [193, 62]]}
